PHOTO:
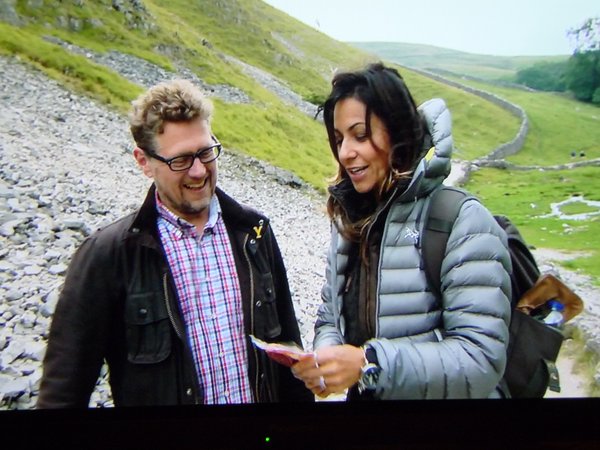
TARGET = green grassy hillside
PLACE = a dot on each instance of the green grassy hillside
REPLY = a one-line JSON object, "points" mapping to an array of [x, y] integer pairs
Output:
{"points": [[176, 32], [204, 36], [558, 126]]}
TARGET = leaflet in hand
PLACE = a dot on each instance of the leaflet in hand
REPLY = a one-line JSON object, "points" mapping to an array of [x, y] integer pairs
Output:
{"points": [[283, 353]]}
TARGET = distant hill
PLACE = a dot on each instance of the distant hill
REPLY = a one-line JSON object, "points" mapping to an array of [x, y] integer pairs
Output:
{"points": [[438, 59]]}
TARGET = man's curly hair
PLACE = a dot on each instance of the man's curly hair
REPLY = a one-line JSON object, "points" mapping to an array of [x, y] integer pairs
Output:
{"points": [[170, 101]]}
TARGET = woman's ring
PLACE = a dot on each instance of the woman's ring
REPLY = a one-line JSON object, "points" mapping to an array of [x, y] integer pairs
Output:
{"points": [[322, 384]]}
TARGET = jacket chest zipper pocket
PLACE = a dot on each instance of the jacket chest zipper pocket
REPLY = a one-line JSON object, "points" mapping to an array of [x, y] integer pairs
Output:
{"points": [[148, 329], [266, 319], [271, 319]]}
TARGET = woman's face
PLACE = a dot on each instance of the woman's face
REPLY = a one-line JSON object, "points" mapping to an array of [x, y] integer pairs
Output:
{"points": [[366, 164]]}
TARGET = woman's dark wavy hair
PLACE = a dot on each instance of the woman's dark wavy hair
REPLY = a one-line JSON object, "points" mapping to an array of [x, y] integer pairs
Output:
{"points": [[384, 93]]}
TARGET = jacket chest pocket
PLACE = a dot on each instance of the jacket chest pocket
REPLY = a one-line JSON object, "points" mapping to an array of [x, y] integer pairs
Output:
{"points": [[266, 307], [148, 328]]}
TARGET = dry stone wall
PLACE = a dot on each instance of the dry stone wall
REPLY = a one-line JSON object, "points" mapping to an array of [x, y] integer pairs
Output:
{"points": [[507, 148]]}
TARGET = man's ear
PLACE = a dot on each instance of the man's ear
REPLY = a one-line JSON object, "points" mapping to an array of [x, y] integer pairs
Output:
{"points": [[143, 161]]}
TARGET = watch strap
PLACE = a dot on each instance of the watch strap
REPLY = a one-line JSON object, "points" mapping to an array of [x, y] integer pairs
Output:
{"points": [[369, 371]]}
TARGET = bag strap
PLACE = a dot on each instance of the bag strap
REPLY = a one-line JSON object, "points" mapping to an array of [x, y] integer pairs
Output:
{"points": [[443, 209]]}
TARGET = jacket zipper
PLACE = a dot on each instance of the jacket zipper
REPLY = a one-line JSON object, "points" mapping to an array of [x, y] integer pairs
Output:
{"points": [[169, 310], [254, 351], [376, 300], [178, 331]]}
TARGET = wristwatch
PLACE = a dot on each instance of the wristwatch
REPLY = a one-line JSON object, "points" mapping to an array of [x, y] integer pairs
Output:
{"points": [[369, 371]]}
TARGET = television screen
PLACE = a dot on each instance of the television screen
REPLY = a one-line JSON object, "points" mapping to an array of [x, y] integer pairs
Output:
{"points": [[68, 73]]}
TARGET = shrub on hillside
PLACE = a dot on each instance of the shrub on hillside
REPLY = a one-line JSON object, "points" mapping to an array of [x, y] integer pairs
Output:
{"points": [[544, 76]]}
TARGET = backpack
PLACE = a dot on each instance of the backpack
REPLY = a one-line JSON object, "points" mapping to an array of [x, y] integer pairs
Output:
{"points": [[533, 346]]}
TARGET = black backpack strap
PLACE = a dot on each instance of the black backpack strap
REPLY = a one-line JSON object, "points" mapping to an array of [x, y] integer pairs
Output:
{"points": [[525, 271], [443, 209]]}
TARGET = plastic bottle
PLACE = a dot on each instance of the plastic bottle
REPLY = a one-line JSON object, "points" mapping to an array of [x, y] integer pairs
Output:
{"points": [[555, 317]]}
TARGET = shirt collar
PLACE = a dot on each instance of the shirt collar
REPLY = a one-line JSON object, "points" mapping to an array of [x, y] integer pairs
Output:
{"points": [[214, 211]]}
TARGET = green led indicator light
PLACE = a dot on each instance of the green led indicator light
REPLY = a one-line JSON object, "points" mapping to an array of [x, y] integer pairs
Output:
{"points": [[267, 439]]}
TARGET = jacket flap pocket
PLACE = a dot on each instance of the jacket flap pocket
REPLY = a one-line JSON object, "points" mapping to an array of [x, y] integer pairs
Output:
{"points": [[148, 328], [145, 308]]}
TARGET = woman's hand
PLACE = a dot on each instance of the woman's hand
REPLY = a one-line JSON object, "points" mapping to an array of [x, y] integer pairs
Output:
{"points": [[330, 370]]}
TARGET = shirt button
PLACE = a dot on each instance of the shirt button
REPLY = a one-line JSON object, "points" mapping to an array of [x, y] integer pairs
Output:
{"points": [[143, 312], [189, 392]]}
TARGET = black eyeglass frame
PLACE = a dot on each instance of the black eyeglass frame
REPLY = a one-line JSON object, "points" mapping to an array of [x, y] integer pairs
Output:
{"points": [[198, 154]]}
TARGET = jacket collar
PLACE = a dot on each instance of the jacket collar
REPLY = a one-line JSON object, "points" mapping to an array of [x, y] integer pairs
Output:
{"points": [[237, 215], [359, 205], [356, 205], [234, 214], [145, 217]]}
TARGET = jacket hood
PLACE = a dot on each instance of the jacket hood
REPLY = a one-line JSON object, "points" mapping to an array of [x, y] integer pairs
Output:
{"points": [[435, 164]]}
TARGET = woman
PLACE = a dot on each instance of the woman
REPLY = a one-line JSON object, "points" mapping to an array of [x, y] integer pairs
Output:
{"points": [[380, 331]]}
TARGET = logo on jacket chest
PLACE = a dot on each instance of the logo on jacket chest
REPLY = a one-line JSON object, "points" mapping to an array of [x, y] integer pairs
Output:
{"points": [[411, 234]]}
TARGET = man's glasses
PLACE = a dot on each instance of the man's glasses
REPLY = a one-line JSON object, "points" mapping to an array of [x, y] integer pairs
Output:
{"points": [[184, 162]]}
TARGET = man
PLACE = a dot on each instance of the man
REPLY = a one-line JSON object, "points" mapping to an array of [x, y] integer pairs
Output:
{"points": [[169, 295]]}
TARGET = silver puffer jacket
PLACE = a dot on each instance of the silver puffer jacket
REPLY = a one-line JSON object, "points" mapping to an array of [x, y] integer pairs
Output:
{"points": [[428, 350]]}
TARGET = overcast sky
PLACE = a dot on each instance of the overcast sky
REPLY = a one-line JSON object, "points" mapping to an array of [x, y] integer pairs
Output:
{"points": [[495, 27]]}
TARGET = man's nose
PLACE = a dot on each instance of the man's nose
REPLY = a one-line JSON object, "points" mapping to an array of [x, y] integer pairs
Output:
{"points": [[198, 168]]}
